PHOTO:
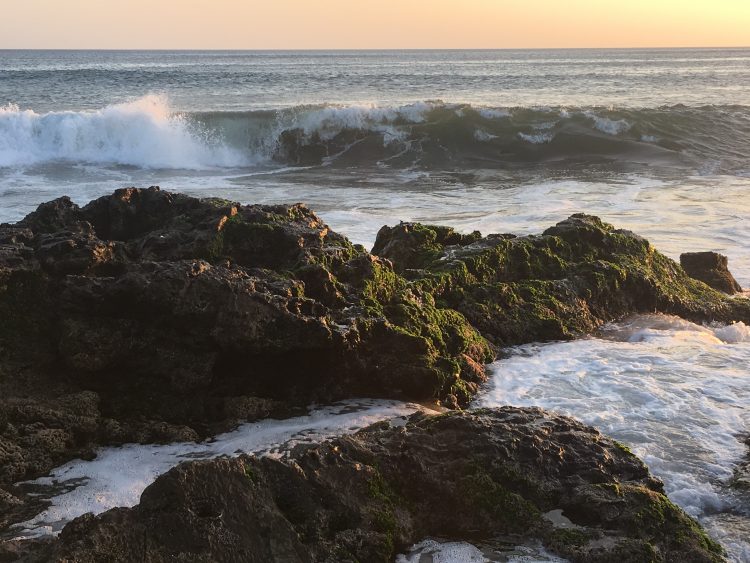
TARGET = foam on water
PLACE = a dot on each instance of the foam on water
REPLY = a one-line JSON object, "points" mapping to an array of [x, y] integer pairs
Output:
{"points": [[493, 113], [434, 551], [483, 136], [676, 393], [118, 475], [537, 138], [143, 133], [609, 126]]}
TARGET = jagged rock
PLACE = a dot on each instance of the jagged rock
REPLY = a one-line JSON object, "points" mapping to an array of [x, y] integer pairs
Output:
{"points": [[712, 269], [472, 475], [570, 280], [187, 316]]}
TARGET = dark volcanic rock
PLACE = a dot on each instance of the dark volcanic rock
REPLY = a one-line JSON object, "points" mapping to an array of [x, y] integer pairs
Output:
{"points": [[151, 316], [576, 276], [175, 317], [712, 269], [473, 475], [151, 296]]}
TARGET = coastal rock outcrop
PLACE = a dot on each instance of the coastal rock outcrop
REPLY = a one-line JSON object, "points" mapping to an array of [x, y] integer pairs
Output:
{"points": [[179, 316], [154, 316], [566, 282], [509, 472], [191, 311], [712, 269]]}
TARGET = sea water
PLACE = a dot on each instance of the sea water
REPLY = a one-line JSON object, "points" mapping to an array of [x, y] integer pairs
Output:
{"points": [[657, 141]]}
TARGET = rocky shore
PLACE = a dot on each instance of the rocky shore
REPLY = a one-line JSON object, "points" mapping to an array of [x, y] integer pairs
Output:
{"points": [[151, 316], [504, 472]]}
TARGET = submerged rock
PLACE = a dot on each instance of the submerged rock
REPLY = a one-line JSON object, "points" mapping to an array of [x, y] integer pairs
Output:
{"points": [[511, 472], [712, 269]]}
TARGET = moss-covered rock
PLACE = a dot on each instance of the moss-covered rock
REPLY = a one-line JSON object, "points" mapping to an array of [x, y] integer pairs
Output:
{"points": [[152, 316], [175, 310], [472, 475], [566, 282]]}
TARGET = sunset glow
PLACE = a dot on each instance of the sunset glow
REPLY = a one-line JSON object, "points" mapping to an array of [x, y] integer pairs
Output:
{"points": [[334, 24]]}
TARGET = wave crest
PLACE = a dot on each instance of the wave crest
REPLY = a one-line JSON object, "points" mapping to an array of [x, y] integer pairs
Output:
{"points": [[147, 133], [143, 133]]}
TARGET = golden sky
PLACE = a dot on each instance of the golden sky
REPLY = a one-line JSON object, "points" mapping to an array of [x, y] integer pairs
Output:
{"points": [[367, 24]]}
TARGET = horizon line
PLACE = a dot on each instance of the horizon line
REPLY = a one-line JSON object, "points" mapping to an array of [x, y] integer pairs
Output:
{"points": [[355, 49]]}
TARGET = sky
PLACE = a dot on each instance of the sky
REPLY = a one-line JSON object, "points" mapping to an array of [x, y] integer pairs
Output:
{"points": [[371, 24]]}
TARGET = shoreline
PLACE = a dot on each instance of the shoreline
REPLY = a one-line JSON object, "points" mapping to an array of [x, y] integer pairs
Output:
{"points": [[131, 233]]}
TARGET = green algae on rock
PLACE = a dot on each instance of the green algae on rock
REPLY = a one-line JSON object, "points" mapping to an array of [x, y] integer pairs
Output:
{"points": [[190, 315], [472, 475], [183, 316], [564, 283]]}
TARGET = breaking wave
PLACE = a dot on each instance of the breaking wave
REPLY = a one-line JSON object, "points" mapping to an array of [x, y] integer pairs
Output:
{"points": [[146, 133]]}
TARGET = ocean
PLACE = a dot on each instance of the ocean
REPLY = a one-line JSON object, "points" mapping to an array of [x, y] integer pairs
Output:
{"points": [[656, 141]]}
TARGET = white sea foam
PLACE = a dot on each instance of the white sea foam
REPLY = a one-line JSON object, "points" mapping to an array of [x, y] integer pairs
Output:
{"points": [[434, 551], [609, 126], [329, 121], [483, 136], [677, 393], [544, 126], [537, 138], [118, 475], [664, 328], [493, 113], [737, 332], [143, 133]]}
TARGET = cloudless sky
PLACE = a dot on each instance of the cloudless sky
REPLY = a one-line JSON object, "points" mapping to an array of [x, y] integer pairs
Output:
{"points": [[368, 24]]}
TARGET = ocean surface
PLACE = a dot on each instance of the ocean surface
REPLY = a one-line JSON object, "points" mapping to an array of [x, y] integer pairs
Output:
{"points": [[657, 141]]}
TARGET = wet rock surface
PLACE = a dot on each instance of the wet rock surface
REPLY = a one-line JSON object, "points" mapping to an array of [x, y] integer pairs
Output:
{"points": [[153, 316], [149, 316], [566, 282], [365, 497], [712, 269]]}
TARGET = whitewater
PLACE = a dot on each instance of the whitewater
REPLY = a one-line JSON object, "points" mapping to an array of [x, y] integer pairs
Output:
{"points": [[149, 133], [656, 141]]}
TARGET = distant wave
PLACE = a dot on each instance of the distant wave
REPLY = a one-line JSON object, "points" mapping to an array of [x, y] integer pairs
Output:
{"points": [[147, 133], [143, 133]]}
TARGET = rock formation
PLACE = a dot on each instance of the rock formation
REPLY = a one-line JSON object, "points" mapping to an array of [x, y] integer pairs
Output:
{"points": [[712, 269], [481, 474], [566, 282], [151, 316]]}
